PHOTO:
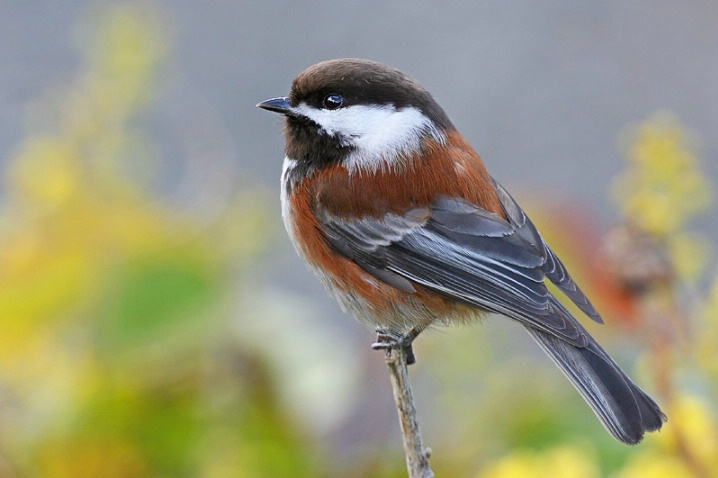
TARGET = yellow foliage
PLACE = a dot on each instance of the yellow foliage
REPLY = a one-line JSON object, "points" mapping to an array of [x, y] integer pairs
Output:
{"points": [[663, 188], [710, 312], [698, 431], [72, 209], [559, 462], [75, 217], [689, 253], [93, 458], [124, 61], [655, 465], [47, 171], [706, 350], [59, 230]]}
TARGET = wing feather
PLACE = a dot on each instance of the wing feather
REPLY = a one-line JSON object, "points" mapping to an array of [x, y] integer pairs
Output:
{"points": [[552, 267], [478, 258], [463, 252]]}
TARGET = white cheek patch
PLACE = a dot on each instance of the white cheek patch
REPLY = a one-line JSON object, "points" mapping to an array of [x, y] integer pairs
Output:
{"points": [[382, 136]]}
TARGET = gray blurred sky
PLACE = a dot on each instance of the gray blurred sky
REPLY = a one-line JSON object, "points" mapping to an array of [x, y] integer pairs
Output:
{"points": [[542, 89]]}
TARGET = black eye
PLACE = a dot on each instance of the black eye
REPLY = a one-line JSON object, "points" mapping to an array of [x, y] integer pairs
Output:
{"points": [[333, 102]]}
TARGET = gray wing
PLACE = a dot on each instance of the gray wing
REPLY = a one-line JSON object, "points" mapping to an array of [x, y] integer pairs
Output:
{"points": [[463, 252], [477, 258], [552, 267]]}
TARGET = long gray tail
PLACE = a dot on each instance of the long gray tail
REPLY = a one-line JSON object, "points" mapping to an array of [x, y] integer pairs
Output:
{"points": [[623, 408]]}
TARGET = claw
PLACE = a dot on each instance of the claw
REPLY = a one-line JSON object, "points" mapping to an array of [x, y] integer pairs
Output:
{"points": [[386, 340]]}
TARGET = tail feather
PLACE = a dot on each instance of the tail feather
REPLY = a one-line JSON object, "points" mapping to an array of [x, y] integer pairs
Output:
{"points": [[623, 408]]}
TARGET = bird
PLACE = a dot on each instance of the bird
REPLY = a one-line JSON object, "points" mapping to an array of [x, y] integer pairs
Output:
{"points": [[397, 216]]}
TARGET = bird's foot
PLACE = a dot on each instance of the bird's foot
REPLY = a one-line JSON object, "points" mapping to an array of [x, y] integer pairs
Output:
{"points": [[389, 340]]}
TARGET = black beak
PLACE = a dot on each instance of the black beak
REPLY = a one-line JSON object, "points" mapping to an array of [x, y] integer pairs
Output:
{"points": [[277, 105]]}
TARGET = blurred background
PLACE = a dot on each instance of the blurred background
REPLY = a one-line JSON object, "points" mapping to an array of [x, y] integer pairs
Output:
{"points": [[157, 323]]}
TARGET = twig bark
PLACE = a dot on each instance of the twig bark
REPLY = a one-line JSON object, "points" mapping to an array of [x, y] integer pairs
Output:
{"points": [[417, 457]]}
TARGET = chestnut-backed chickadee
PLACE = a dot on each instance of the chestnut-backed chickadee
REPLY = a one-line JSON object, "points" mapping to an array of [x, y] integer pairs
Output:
{"points": [[397, 216]]}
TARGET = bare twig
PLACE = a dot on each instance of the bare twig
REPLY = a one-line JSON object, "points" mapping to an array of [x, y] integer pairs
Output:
{"points": [[417, 457]]}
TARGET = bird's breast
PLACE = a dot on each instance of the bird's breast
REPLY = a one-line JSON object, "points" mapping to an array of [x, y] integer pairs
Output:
{"points": [[352, 196]]}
